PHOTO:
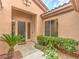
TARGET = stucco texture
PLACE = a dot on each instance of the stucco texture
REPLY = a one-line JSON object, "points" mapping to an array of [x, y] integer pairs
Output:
{"points": [[68, 24]]}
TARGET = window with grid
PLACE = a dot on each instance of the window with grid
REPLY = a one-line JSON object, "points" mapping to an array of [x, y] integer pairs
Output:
{"points": [[51, 28]]}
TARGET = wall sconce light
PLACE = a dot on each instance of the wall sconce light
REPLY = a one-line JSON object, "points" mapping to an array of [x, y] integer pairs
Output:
{"points": [[27, 2], [1, 4]]}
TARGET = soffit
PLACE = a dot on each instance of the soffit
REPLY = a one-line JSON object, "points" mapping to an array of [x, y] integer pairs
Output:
{"points": [[58, 11]]}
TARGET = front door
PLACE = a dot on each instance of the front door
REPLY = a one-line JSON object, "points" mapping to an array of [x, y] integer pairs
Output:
{"points": [[28, 30], [24, 29]]}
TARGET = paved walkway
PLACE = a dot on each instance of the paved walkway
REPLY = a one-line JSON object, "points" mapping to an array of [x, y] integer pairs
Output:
{"points": [[28, 51], [36, 55]]}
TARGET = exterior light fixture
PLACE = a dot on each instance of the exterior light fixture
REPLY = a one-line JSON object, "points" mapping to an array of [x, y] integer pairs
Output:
{"points": [[27, 2], [0, 4]]}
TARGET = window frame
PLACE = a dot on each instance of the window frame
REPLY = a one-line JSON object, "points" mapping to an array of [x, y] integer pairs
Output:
{"points": [[56, 22], [1, 4]]}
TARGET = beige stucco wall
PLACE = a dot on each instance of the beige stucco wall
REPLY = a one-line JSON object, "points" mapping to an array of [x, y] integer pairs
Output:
{"points": [[75, 4], [24, 17], [68, 24], [6, 13], [68, 27], [6, 16], [5, 24], [33, 9]]}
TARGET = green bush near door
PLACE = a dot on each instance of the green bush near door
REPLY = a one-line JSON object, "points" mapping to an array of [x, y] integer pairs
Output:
{"points": [[49, 45]]}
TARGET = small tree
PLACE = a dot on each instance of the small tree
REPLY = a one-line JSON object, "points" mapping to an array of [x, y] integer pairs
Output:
{"points": [[12, 40]]}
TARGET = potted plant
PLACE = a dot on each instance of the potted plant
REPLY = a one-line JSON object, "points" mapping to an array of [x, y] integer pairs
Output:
{"points": [[12, 40]]}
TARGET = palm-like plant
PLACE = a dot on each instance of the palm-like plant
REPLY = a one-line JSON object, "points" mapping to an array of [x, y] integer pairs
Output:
{"points": [[12, 40]]}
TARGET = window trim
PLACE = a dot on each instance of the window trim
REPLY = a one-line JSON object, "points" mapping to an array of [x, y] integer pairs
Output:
{"points": [[56, 20], [1, 4]]}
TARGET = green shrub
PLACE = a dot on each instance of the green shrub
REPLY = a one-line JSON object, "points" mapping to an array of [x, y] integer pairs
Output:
{"points": [[42, 40], [39, 46], [51, 54], [50, 44]]}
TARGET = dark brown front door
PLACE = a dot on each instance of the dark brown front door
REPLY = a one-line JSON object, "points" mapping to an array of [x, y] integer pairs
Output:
{"points": [[21, 28]]}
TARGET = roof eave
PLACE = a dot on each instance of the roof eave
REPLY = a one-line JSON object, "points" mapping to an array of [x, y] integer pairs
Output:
{"points": [[58, 11]]}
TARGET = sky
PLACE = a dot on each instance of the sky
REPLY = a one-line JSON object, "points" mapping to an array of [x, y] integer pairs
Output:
{"points": [[51, 4]]}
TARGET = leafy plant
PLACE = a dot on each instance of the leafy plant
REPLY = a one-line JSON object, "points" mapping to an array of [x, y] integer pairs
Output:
{"points": [[51, 54], [50, 45], [12, 40]]}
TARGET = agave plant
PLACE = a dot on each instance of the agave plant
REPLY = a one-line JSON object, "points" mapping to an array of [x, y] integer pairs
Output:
{"points": [[12, 40]]}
